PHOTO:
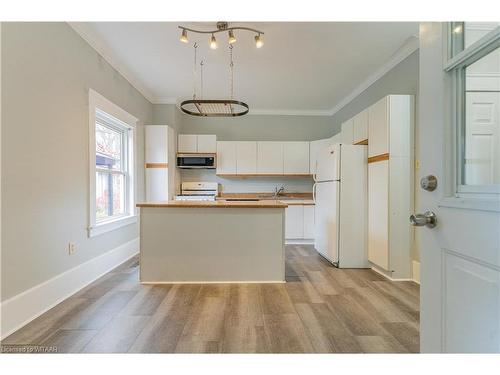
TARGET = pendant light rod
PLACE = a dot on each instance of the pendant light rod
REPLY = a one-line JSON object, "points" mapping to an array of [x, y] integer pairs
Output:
{"points": [[220, 30]]}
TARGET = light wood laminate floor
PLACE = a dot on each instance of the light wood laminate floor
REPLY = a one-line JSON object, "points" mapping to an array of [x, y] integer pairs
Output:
{"points": [[321, 309]]}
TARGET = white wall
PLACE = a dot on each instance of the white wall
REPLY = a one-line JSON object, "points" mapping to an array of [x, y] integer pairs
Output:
{"points": [[47, 70]]}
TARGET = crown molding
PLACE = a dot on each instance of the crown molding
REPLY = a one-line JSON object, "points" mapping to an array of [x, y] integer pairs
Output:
{"points": [[107, 55], [408, 47]]}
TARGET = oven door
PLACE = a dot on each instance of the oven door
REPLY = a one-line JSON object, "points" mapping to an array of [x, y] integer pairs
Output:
{"points": [[196, 161]]}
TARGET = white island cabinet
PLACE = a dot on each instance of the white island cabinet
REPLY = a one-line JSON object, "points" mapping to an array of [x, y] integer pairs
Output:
{"points": [[208, 242]]}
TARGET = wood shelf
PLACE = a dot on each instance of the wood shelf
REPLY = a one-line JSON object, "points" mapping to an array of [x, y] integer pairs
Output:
{"points": [[380, 157], [156, 165], [363, 142]]}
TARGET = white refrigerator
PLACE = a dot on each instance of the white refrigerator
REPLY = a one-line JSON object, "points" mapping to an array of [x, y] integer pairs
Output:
{"points": [[340, 194]]}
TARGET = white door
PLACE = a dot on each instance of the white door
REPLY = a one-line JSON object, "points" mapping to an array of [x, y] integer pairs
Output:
{"points": [[482, 141], [460, 257], [246, 157], [327, 219], [296, 157], [328, 164]]}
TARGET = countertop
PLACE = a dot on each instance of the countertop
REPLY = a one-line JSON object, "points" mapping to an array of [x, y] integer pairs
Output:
{"points": [[216, 204]]}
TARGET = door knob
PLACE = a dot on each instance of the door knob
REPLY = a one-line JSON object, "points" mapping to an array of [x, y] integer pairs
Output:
{"points": [[427, 219]]}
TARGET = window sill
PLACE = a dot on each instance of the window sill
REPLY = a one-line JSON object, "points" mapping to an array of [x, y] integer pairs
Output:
{"points": [[111, 225]]}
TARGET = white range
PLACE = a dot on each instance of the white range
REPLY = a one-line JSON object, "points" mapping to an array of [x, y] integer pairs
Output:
{"points": [[198, 191]]}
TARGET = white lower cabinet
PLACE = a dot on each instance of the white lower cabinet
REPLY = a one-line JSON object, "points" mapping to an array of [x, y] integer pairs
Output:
{"points": [[308, 222], [299, 222]]}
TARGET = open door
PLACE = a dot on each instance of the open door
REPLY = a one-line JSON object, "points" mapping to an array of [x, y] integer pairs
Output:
{"points": [[459, 145]]}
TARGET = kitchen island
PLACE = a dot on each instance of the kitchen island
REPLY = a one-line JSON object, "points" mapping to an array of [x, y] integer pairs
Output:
{"points": [[212, 241]]}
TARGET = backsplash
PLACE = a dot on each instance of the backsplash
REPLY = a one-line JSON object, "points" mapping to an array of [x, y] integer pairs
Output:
{"points": [[249, 185]]}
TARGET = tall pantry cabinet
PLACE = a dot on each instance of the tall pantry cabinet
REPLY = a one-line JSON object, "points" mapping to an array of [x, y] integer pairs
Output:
{"points": [[160, 164], [390, 184]]}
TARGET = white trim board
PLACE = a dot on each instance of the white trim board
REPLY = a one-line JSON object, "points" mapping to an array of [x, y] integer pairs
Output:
{"points": [[299, 242], [415, 271], [21, 309], [383, 273]]}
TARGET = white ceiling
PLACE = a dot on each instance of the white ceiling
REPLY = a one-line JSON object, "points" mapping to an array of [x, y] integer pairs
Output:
{"points": [[302, 67]]}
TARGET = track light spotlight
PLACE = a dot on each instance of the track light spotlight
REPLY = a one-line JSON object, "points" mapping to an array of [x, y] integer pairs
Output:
{"points": [[184, 36], [232, 38], [213, 42], [258, 41]]}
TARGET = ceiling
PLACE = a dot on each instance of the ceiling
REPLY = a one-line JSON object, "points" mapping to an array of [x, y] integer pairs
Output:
{"points": [[302, 67]]}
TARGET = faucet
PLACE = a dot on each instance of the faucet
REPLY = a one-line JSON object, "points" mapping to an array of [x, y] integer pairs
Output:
{"points": [[278, 192]]}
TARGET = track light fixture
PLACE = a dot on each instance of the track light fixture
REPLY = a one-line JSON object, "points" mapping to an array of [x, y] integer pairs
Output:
{"points": [[222, 27]]}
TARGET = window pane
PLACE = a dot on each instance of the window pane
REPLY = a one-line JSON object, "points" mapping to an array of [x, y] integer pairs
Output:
{"points": [[110, 195], [464, 34], [481, 162], [108, 147]]}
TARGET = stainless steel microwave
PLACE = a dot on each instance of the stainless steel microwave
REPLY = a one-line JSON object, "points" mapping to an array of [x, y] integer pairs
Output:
{"points": [[196, 161]]}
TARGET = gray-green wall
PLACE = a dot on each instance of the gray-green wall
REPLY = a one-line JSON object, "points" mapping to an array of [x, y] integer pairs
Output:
{"points": [[47, 69]]}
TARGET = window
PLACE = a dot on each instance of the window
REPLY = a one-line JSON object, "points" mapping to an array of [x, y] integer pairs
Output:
{"points": [[112, 182], [474, 66]]}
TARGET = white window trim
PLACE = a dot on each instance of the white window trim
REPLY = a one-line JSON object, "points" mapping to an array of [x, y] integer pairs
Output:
{"points": [[97, 101], [477, 197]]}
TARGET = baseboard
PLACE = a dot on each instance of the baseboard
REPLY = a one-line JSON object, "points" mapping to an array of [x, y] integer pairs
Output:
{"points": [[21, 309], [415, 271], [213, 282], [299, 242], [387, 276]]}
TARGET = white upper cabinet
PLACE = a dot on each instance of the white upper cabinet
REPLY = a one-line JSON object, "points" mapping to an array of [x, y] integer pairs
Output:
{"points": [[269, 157], [378, 128], [207, 143], [246, 157], [348, 132], [360, 127], [187, 143], [192, 143], [226, 157], [155, 140], [296, 157]]}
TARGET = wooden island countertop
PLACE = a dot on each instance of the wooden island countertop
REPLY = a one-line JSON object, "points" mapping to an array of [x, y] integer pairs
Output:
{"points": [[215, 204]]}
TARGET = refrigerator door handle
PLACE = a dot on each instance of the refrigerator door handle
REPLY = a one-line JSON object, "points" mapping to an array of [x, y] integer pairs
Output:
{"points": [[314, 193], [315, 171]]}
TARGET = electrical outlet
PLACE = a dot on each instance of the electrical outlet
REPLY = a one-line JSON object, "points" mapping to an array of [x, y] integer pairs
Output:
{"points": [[71, 248]]}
